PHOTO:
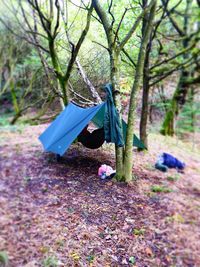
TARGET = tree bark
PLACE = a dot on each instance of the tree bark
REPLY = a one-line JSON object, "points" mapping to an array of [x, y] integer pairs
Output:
{"points": [[146, 86], [145, 107], [114, 76]]}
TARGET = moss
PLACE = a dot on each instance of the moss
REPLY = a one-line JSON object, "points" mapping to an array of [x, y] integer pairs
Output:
{"points": [[160, 189]]}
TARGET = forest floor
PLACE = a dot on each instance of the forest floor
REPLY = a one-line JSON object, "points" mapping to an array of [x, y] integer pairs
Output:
{"points": [[62, 214]]}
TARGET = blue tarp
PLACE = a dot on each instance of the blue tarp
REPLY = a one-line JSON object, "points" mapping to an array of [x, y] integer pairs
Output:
{"points": [[66, 127], [73, 119]]}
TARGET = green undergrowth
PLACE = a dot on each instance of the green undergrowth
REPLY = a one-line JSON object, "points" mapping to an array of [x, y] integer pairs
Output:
{"points": [[3, 258], [173, 178], [5, 118], [160, 189], [5, 125], [50, 261]]}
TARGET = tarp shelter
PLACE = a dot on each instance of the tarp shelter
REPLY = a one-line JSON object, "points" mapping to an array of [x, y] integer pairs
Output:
{"points": [[73, 119]]}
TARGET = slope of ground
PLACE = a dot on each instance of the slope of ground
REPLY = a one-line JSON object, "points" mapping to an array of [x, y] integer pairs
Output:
{"points": [[62, 214]]}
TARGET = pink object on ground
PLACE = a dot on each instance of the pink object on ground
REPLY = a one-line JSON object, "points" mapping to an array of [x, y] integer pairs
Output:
{"points": [[105, 170]]}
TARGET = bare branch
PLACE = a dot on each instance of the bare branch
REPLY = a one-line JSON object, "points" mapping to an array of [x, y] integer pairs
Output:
{"points": [[129, 57], [104, 19], [119, 25], [174, 23], [109, 11], [185, 64], [133, 28], [101, 45], [90, 86], [183, 51], [57, 18], [76, 48]]}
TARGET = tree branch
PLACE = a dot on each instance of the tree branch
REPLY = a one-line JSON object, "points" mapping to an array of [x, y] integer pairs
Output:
{"points": [[174, 23], [134, 27]]}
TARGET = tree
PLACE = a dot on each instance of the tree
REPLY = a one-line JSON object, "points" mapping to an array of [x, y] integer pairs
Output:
{"points": [[155, 71], [115, 46], [179, 97], [45, 32], [128, 155], [50, 23], [17, 77]]}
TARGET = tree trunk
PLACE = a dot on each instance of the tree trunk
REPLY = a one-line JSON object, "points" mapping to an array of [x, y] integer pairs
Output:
{"points": [[144, 112], [14, 97], [114, 49], [179, 97], [57, 69], [146, 86], [128, 156], [177, 102], [15, 118], [168, 123], [114, 76]]}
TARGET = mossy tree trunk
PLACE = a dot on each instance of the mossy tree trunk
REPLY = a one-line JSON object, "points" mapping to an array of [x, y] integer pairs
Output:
{"points": [[58, 71], [128, 156], [145, 107], [146, 85], [177, 101], [114, 77], [179, 97]]}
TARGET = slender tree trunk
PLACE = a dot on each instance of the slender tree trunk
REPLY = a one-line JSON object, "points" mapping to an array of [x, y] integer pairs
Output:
{"points": [[146, 86], [63, 86], [57, 69], [14, 97], [114, 76], [145, 103], [128, 157], [15, 104], [144, 115]]}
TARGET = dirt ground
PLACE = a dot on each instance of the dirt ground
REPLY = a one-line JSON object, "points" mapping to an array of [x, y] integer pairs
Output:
{"points": [[62, 214]]}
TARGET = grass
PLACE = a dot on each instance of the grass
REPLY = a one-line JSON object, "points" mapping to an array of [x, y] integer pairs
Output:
{"points": [[3, 258], [138, 232], [50, 261], [5, 125], [175, 218], [149, 167], [160, 189], [173, 178], [5, 118]]}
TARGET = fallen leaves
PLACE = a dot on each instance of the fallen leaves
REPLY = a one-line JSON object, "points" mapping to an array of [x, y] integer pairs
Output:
{"points": [[58, 210]]}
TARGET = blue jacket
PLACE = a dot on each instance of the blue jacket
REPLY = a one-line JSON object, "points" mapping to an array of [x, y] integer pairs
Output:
{"points": [[172, 162]]}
